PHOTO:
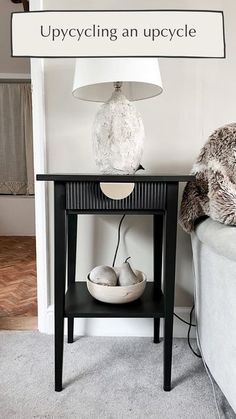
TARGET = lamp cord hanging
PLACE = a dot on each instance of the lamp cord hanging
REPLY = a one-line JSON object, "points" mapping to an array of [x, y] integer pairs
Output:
{"points": [[118, 241]]}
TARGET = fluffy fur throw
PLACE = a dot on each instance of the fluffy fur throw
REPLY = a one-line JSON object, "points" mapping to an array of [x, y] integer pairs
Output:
{"points": [[213, 193]]}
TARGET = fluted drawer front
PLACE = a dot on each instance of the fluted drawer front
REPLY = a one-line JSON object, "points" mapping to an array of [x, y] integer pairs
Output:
{"points": [[87, 195]]}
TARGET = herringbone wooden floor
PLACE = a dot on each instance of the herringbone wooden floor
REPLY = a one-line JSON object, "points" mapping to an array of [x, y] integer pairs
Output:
{"points": [[18, 291]]}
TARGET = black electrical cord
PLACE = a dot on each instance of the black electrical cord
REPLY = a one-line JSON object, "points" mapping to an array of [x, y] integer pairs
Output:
{"points": [[189, 330], [184, 321], [190, 324], [118, 241]]}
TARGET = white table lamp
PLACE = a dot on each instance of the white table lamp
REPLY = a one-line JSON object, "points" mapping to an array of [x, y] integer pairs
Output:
{"points": [[118, 132]]}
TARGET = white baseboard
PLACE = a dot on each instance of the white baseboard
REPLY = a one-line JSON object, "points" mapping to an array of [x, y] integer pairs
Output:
{"points": [[120, 327]]}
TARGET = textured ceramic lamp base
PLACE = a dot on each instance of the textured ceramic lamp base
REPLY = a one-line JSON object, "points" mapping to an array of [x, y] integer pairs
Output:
{"points": [[118, 136]]}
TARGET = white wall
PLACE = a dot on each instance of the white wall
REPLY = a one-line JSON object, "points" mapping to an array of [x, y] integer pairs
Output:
{"points": [[199, 96], [17, 216]]}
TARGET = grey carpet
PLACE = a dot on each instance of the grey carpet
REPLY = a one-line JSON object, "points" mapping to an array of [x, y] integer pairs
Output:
{"points": [[107, 378]]}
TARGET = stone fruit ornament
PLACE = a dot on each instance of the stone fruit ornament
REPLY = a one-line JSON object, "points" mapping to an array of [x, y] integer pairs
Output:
{"points": [[127, 275], [103, 275], [117, 271], [116, 285]]}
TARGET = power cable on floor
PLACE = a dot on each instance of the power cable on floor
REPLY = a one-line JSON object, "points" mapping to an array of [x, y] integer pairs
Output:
{"points": [[184, 321]]}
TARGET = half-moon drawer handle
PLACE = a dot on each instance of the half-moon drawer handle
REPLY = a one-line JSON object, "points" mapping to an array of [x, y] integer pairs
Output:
{"points": [[117, 190]]}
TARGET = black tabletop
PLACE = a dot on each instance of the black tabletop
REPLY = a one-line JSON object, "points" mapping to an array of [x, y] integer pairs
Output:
{"points": [[74, 177]]}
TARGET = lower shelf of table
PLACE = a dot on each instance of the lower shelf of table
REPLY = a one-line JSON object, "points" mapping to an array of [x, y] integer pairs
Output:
{"points": [[79, 303]]}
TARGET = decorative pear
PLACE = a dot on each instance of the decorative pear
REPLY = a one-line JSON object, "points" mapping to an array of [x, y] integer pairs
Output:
{"points": [[103, 275], [117, 271], [127, 275]]}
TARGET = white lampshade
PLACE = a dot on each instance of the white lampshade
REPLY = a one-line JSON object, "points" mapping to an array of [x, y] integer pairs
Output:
{"points": [[94, 78]]}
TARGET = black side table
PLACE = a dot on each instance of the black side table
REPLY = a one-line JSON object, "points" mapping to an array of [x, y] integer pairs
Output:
{"points": [[81, 194]]}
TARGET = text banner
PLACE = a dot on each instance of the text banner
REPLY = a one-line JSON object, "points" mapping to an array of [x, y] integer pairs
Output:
{"points": [[123, 33]]}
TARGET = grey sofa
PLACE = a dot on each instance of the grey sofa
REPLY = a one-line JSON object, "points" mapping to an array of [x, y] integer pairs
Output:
{"points": [[214, 256]]}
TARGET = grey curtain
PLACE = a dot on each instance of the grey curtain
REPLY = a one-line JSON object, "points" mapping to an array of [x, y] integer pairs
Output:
{"points": [[16, 139]]}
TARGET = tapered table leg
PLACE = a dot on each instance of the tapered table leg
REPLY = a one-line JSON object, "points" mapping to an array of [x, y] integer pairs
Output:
{"points": [[72, 241], [59, 280], [156, 338], [169, 277], [157, 266]]}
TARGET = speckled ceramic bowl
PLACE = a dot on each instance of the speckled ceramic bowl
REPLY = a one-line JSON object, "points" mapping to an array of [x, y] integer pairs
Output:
{"points": [[118, 294]]}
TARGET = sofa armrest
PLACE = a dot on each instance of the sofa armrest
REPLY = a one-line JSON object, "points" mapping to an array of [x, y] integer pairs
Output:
{"points": [[220, 237]]}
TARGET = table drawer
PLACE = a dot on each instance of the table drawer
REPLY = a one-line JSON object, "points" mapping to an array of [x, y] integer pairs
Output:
{"points": [[87, 195]]}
